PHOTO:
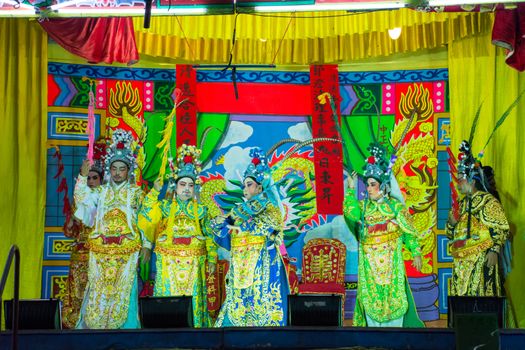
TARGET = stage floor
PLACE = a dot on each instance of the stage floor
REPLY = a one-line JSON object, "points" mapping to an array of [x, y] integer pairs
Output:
{"points": [[251, 338]]}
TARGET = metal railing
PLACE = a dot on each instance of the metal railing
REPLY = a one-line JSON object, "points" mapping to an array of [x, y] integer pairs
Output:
{"points": [[14, 253]]}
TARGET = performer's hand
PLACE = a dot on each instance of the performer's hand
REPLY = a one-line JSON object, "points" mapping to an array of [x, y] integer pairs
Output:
{"points": [[145, 255], [219, 219], [417, 263], [211, 267], [158, 184], [234, 228], [491, 259], [84, 170], [352, 180]]}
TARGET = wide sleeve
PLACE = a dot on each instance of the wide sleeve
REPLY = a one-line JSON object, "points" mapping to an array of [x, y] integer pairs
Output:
{"points": [[86, 200], [351, 207], [352, 212], [449, 228], [274, 225], [493, 216], [71, 227], [406, 225], [150, 214]]}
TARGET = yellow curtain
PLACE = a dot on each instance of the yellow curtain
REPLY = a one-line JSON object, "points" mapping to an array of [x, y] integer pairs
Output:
{"points": [[478, 74], [23, 94], [303, 38]]}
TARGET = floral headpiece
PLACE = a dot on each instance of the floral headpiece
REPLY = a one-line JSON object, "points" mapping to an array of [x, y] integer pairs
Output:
{"points": [[120, 150], [188, 164], [258, 168], [377, 166]]}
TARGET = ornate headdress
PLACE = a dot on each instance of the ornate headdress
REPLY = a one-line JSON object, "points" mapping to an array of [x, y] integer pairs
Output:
{"points": [[377, 166], [188, 164], [468, 165], [120, 150], [258, 168]]}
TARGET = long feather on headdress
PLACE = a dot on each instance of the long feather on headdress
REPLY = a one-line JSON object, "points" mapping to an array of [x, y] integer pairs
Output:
{"points": [[474, 124], [502, 119]]}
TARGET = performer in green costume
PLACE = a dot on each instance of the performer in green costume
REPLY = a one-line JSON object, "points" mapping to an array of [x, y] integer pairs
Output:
{"points": [[382, 224]]}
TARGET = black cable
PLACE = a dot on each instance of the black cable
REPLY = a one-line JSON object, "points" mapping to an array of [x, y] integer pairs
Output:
{"points": [[147, 13]]}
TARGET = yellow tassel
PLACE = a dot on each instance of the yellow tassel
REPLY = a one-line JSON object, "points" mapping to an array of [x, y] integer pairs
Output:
{"points": [[166, 141]]}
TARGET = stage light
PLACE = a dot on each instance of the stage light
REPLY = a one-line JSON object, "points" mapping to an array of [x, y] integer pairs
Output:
{"points": [[349, 6], [69, 3], [394, 33], [90, 12], [468, 2]]}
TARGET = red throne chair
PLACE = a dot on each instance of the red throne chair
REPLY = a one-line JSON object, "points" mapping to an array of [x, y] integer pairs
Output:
{"points": [[323, 268]]}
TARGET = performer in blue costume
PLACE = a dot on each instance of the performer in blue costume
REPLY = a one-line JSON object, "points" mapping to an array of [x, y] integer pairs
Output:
{"points": [[257, 285]]}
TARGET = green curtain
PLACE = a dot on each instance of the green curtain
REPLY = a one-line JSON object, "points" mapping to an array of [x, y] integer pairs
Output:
{"points": [[23, 111], [478, 74]]}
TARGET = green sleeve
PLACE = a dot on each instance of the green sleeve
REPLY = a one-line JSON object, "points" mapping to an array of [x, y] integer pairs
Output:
{"points": [[351, 207], [406, 225]]}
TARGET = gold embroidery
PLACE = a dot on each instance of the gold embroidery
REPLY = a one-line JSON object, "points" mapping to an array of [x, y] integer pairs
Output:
{"points": [[183, 251]]}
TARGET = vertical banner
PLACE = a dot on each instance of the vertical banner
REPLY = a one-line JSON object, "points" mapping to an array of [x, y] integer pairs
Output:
{"points": [[186, 81], [328, 158]]}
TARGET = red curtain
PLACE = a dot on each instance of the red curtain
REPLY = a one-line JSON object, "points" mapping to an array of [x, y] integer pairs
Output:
{"points": [[508, 32], [106, 40]]}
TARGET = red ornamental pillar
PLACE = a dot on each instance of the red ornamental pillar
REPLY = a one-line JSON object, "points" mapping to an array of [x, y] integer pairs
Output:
{"points": [[328, 156], [186, 115]]}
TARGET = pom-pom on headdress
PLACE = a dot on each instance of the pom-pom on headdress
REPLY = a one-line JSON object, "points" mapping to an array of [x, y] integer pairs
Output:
{"points": [[258, 168], [188, 164], [120, 150]]}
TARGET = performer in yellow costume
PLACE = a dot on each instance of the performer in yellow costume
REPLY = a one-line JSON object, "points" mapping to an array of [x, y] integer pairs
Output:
{"points": [[111, 297], [78, 264], [383, 225], [184, 244], [478, 232]]}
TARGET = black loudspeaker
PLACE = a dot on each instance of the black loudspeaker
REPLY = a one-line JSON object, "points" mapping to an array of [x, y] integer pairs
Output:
{"points": [[314, 310], [34, 314], [166, 312], [476, 321], [476, 305]]}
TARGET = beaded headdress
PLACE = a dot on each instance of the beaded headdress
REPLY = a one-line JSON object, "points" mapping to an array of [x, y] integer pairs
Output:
{"points": [[120, 150], [188, 164], [468, 165], [258, 168], [377, 166]]}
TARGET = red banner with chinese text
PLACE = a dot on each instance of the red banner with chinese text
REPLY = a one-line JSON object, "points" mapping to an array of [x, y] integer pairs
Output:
{"points": [[327, 155], [186, 81]]}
